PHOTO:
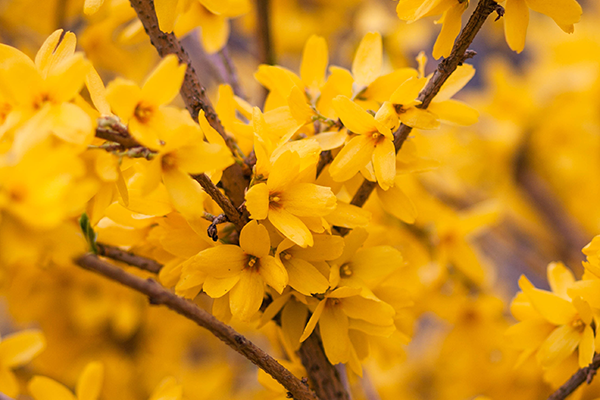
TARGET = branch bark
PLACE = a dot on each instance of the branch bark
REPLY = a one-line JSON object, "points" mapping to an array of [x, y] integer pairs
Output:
{"points": [[583, 375], [158, 295], [324, 377], [117, 254], [265, 43], [445, 68], [193, 93]]}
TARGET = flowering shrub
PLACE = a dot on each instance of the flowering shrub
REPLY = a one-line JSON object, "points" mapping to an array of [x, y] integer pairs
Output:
{"points": [[298, 175]]}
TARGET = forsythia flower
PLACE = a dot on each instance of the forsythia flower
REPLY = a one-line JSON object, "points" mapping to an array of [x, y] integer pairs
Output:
{"points": [[88, 387], [240, 271], [451, 10], [144, 110], [553, 324], [516, 19], [285, 200]]}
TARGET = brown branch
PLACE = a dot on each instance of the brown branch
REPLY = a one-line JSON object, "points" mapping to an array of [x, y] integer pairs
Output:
{"points": [[445, 68], [158, 295], [117, 254], [585, 374], [193, 93], [110, 128], [324, 377], [263, 33]]}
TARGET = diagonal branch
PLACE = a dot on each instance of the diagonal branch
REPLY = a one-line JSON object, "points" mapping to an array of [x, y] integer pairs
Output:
{"points": [[117, 254], [158, 295], [445, 68], [585, 374], [193, 93]]}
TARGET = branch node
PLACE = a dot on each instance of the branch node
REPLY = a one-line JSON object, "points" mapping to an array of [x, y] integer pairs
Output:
{"points": [[212, 228], [500, 11]]}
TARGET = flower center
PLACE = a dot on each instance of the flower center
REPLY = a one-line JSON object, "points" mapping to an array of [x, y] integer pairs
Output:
{"points": [[143, 112], [275, 200], [168, 161], [578, 325], [253, 263], [346, 270]]}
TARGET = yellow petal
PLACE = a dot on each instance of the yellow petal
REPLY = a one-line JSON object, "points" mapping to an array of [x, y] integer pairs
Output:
{"points": [[314, 62], [553, 308], [291, 227], [558, 346], [218, 287], [200, 157], [164, 82], [185, 193], [381, 89], [305, 278], [384, 163], [95, 87], [89, 383], [9, 383], [586, 347], [166, 11], [560, 279], [459, 78], [293, 318], [516, 20], [123, 97], [349, 216], [374, 263], [277, 79], [284, 170], [408, 91], [42, 388], [92, 6], [375, 312], [254, 239], [339, 83], [354, 156], [307, 200], [214, 32], [419, 119], [246, 297], [454, 111], [395, 202], [257, 201], [19, 348], [220, 261], [450, 30], [563, 12], [353, 116], [367, 60], [528, 334], [333, 326], [312, 322], [72, 124], [273, 273], [331, 140]]}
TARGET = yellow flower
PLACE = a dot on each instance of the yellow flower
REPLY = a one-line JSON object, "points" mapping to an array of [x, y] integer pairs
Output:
{"points": [[88, 387], [373, 143], [451, 10], [240, 271], [286, 198], [17, 350], [516, 18], [186, 153], [552, 323], [144, 109]]}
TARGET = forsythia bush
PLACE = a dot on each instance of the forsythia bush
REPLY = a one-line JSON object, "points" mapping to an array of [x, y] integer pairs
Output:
{"points": [[348, 196]]}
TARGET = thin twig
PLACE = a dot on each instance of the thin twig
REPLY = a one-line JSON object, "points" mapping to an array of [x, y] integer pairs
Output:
{"points": [[227, 71], [585, 374], [193, 93], [445, 68], [212, 231], [117, 254], [158, 295]]}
